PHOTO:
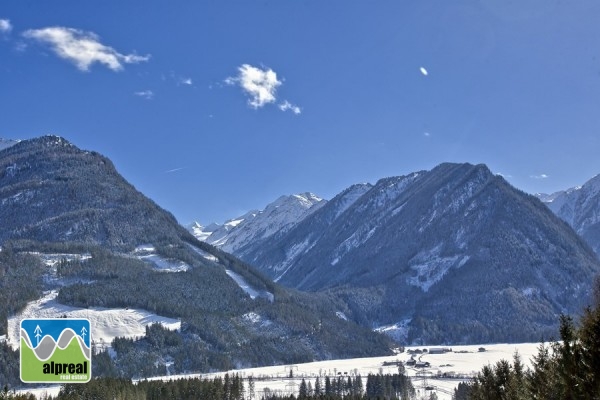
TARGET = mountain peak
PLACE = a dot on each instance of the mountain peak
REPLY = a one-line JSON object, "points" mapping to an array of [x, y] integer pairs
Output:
{"points": [[48, 141], [579, 207], [277, 217], [53, 191], [408, 246]]}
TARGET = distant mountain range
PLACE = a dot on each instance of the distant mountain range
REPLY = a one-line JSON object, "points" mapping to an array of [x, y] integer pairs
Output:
{"points": [[580, 208], [256, 226], [413, 254], [58, 199]]}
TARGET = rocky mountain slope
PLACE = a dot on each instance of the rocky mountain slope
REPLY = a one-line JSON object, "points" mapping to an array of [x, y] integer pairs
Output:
{"points": [[455, 254], [580, 208], [257, 226], [52, 191], [57, 199]]}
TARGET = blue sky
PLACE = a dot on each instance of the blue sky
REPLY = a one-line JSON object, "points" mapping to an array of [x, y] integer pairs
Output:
{"points": [[215, 108]]}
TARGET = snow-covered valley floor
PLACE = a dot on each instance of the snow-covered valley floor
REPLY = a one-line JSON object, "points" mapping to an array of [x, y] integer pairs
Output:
{"points": [[109, 323], [463, 360]]}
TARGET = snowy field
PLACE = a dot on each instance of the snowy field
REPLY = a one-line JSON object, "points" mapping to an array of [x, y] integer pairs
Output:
{"points": [[463, 360]]}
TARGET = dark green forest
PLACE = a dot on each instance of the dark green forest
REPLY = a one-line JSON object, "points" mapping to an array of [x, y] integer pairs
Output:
{"points": [[214, 334], [233, 387], [568, 369]]}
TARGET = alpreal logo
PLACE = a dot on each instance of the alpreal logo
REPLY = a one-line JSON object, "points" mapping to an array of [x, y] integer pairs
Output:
{"points": [[55, 350]]}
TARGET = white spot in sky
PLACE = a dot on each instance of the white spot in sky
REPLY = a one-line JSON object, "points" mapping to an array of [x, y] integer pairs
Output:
{"points": [[541, 176], [424, 71]]}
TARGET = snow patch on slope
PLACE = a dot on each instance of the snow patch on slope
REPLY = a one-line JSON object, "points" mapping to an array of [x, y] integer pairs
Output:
{"points": [[246, 287], [107, 323], [341, 315], [397, 331], [355, 240], [256, 319], [291, 255], [203, 253], [148, 254], [429, 267]]}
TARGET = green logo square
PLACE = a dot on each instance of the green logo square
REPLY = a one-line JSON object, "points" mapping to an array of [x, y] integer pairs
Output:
{"points": [[56, 350]]}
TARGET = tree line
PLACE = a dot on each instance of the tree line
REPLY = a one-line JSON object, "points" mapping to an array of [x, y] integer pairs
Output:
{"points": [[568, 369]]}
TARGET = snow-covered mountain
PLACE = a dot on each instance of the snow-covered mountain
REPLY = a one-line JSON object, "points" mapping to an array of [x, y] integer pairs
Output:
{"points": [[114, 248], [580, 208], [257, 226], [419, 250]]}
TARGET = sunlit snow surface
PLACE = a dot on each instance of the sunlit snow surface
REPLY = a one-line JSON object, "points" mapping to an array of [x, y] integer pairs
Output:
{"points": [[148, 253], [245, 286], [107, 323], [203, 253], [464, 360]]}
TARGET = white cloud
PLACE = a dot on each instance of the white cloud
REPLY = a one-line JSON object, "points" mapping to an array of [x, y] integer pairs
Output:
{"points": [[82, 48], [146, 94], [5, 26], [286, 105], [424, 71], [174, 170], [426, 134], [186, 81], [505, 176], [261, 85], [541, 176]]}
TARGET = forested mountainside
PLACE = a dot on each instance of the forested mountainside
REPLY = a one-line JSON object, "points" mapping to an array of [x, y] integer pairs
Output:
{"points": [[58, 200], [420, 250]]}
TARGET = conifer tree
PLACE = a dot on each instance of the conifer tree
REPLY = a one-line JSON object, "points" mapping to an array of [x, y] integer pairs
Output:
{"points": [[303, 391], [318, 389]]}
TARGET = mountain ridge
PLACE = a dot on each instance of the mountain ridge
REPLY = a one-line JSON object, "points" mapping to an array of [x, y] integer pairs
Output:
{"points": [[580, 208], [411, 245], [58, 199]]}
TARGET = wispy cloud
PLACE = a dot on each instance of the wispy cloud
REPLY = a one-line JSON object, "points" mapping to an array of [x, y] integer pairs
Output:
{"points": [[423, 71], [5, 26], [540, 176], [186, 81], [170, 171], [287, 106], [145, 94], [505, 176], [426, 134], [82, 48], [260, 84]]}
